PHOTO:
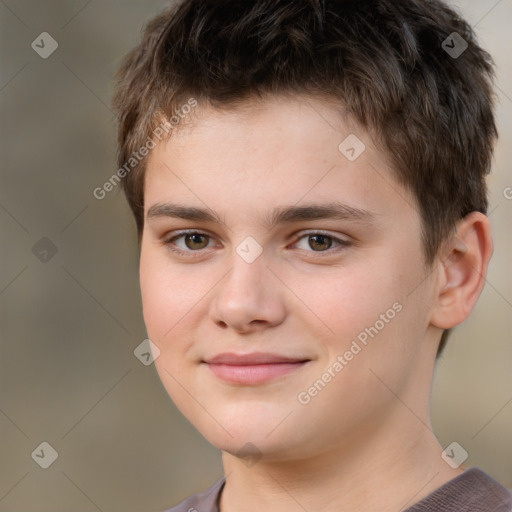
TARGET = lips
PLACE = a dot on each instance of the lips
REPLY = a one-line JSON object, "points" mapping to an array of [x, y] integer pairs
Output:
{"points": [[252, 369], [256, 358]]}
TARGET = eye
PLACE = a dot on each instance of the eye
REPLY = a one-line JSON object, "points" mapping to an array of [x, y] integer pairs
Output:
{"points": [[193, 241], [322, 242]]}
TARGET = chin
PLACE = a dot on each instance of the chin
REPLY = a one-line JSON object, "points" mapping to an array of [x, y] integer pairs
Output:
{"points": [[252, 445], [238, 428], [283, 445]]}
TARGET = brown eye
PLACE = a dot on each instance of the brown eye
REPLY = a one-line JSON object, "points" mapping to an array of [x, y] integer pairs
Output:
{"points": [[193, 241], [320, 242], [190, 243]]}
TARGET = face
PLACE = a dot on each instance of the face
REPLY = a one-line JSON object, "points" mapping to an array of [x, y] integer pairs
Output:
{"points": [[282, 278]]}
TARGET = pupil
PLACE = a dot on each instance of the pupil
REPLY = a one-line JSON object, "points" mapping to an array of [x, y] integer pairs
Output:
{"points": [[194, 240], [316, 237]]}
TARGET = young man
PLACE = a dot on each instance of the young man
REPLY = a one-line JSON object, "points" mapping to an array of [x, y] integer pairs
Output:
{"points": [[308, 182]]}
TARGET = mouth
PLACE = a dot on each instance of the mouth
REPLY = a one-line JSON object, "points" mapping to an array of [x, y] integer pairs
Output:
{"points": [[253, 369]]}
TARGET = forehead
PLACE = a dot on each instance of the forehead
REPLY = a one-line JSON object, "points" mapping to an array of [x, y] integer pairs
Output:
{"points": [[280, 123], [282, 150]]}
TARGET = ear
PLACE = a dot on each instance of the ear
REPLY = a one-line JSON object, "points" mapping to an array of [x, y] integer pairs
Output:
{"points": [[462, 270]]}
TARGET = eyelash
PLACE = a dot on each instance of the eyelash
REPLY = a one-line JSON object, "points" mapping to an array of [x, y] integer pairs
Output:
{"points": [[343, 244]]}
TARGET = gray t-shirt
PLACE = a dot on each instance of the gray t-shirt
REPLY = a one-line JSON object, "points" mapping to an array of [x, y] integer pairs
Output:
{"points": [[471, 491]]}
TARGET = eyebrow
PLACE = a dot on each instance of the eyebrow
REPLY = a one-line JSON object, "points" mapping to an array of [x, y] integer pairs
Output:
{"points": [[280, 215]]}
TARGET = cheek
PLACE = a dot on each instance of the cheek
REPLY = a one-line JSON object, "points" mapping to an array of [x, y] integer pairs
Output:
{"points": [[168, 295], [166, 309], [352, 300], [371, 310], [174, 301], [157, 309], [162, 311]]}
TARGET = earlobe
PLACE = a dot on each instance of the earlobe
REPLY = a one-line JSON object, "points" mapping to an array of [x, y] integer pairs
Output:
{"points": [[463, 268]]}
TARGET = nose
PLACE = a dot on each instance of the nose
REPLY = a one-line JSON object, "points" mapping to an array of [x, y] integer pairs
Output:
{"points": [[249, 298]]}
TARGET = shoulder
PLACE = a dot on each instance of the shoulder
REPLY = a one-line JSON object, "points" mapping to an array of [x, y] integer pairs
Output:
{"points": [[472, 491], [206, 501]]}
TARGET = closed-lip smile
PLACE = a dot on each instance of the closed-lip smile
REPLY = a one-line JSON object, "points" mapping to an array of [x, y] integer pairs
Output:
{"points": [[254, 368]]}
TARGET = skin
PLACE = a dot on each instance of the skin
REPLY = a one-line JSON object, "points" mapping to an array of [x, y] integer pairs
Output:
{"points": [[364, 441]]}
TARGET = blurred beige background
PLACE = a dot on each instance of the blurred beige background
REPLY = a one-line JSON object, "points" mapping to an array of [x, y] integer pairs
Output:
{"points": [[69, 296]]}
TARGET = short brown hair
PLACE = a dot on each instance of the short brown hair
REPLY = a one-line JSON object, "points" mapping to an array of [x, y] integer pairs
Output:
{"points": [[387, 62]]}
